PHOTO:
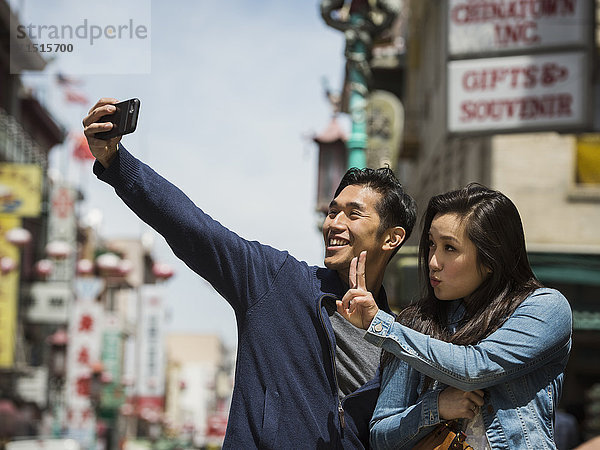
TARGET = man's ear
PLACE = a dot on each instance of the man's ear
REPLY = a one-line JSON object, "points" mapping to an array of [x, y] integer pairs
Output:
{"points": [[394, 237]]}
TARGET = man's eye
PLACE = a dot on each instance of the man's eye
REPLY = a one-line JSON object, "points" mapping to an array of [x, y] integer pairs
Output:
{"points": [[450, 248], [332, 213]]}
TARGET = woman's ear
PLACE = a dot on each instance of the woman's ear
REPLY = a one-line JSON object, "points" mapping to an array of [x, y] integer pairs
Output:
{"points": [[394, 237]]}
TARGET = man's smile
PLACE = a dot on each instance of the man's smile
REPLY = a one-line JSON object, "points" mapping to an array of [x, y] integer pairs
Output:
{"points": [[337, 241]]}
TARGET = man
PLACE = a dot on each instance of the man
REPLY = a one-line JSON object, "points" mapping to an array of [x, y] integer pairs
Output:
{"points": [[297, 357]]}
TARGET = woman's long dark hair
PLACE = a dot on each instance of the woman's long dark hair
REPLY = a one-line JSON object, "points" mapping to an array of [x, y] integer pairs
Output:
{"points": [[493, 224]]}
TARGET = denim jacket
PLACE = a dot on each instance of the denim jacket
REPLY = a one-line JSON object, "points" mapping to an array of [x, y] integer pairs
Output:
{"points": [[519, 366]]}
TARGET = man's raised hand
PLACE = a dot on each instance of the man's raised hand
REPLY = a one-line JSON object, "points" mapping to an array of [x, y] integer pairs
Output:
{"points": [[103, 151], [358, 305]]}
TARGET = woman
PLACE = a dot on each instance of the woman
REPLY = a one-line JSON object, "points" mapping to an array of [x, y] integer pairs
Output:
{"points": [[484, 325]]}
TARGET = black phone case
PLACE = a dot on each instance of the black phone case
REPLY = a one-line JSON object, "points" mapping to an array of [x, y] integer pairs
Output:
{"points": [[124, 119]]}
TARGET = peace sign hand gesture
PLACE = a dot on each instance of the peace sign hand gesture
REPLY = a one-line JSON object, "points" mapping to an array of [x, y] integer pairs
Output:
{"points": [[358, 305]]}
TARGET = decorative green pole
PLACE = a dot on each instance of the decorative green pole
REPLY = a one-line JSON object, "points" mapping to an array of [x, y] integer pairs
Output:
{"points": [[357, 104], [359, 30]]}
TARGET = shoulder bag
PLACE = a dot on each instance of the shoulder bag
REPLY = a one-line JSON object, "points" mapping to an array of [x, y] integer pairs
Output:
{"points": [[445, 436]]}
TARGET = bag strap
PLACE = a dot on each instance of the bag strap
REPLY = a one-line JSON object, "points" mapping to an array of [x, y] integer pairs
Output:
{"points": [[458, 443]]}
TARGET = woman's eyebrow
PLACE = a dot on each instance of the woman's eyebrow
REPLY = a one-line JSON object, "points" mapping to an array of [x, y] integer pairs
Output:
{"points": [[446, 237], [449, 238]]}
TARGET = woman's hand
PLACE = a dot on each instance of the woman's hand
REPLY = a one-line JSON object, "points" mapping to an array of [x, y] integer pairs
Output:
{"points": [[456, 404], [103, 151], [358, 305]]}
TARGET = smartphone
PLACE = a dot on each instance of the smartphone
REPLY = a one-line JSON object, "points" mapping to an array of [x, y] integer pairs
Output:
{"points": [[124, 119]]}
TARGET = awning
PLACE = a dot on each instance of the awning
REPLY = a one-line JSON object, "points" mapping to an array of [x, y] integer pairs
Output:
{"points": [[586, 320], [566, 268]]}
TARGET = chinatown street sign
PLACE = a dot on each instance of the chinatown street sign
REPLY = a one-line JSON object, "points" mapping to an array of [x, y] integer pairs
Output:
{"points": [[500, 26]]}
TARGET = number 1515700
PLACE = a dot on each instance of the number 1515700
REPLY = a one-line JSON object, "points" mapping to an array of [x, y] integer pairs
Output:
{"points": [[50, 48]]}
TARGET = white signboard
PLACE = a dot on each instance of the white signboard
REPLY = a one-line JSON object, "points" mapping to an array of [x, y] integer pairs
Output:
{"points": [[85, 326], [62, 226], [151, 339], [519, 92], [508, 25], [49, 302], [33, 387]]}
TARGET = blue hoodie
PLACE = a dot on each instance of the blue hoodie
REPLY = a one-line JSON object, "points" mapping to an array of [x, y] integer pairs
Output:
{"points": [[286, 393]]}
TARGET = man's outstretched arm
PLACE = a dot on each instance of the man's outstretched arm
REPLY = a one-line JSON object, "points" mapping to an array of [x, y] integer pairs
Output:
{"points": [[241, 271]]}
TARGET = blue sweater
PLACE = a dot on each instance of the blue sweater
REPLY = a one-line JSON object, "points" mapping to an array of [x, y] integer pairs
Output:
{"points": [[285, 393]]}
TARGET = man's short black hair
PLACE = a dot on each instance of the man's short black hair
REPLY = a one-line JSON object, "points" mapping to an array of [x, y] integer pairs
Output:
{"points": [[396, 207]]}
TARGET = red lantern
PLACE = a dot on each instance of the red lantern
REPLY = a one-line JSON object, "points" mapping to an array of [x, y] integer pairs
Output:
{"points": [[59, 337], [162, 271], [108, 262], [43, 268], [18, 236], [150, 415], [127, 381], [106, 377], [85, 267], [97, 367], [125, 266], [58, 249], [7, 264], [127, 409]]}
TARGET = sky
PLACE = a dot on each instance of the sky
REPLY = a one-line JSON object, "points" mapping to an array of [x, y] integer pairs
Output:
{"points": [[229, 103]]}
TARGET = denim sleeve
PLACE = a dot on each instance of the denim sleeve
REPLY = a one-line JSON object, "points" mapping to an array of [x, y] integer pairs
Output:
{"points": [[536, 334], [240, 270], [402, 417]]}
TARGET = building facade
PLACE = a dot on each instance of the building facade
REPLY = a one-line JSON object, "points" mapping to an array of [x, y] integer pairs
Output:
{"points": [[199, 388], [28, 132]]}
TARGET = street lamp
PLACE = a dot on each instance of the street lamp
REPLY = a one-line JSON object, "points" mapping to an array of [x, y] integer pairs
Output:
{"points": [[360, 21]]}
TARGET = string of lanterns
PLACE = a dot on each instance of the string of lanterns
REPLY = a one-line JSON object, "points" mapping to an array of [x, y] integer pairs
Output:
{"points": [[108, 264]]}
